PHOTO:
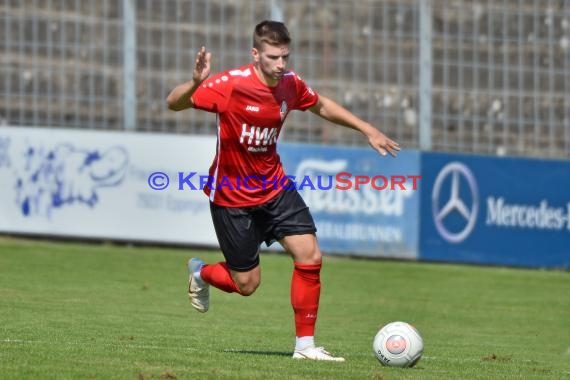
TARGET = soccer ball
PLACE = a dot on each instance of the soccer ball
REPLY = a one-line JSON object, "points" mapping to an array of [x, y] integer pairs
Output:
{"points": [[398, 344]]}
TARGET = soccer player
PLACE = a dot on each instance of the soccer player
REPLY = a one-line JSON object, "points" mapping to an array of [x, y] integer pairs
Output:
{"points": [[250, 199]]}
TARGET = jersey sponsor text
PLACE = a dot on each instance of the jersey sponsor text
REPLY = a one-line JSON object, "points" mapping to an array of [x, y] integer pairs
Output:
{"points": [[253, 135]]}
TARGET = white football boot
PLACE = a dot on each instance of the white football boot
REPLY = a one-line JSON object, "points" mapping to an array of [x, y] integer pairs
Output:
{"points": [[198, 290], [316, 353]]}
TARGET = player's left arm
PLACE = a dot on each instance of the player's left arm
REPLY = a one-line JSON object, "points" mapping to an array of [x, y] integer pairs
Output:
{"points": [[330, 110]]}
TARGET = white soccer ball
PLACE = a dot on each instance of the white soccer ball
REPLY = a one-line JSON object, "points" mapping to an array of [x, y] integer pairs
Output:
{"points": [[398, 344]]}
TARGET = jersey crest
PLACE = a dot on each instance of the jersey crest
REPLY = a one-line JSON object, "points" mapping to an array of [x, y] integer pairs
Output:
{"points": [[283, 110]]}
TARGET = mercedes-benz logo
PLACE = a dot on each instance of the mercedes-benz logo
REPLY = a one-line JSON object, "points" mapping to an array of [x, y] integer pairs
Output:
{"points": [[457, 171]]}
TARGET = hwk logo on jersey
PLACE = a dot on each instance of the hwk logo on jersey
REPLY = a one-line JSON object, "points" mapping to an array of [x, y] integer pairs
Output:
{"points": [[252, 135], [283, 110]]}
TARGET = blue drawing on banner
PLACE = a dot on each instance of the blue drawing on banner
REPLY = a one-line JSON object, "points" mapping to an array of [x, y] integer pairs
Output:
{"points": [[65, 175]]}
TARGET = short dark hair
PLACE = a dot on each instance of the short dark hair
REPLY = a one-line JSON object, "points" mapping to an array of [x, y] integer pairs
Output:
{"points": [[271, 32]]}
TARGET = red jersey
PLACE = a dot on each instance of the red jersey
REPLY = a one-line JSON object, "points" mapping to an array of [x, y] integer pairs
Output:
{"points": [[247, 170]]}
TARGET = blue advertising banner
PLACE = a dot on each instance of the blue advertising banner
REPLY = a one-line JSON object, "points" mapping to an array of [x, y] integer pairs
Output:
{"points": [[363, 203], [488, 210]]}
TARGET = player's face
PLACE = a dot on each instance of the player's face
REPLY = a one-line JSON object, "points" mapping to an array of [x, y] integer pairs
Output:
{"points": [[271, 61]]}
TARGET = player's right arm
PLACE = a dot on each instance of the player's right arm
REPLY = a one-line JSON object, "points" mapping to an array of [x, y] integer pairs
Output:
{"points": [[180, 98]]}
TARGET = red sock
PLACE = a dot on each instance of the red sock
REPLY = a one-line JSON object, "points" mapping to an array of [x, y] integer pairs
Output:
{"points": [[219, 276], [305, 292]]}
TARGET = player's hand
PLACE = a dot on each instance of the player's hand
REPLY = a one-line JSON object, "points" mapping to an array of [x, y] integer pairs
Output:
{"points": [[382, 144], [202, 65]]}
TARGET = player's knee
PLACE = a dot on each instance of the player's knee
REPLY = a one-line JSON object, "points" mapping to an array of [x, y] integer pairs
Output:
{"points": [[247, 282], [316, 257], [248, 288], [310, 256], [304, 249]]}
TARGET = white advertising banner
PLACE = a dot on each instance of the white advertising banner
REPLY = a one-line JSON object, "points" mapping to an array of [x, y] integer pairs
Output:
{"points": [[109, 185]]}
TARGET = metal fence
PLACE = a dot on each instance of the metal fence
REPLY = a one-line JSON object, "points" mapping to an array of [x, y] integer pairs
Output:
{"points": [[486, 76]]}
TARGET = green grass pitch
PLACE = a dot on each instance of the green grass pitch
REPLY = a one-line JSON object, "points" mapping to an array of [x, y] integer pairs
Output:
{"points": [[85, 311]]}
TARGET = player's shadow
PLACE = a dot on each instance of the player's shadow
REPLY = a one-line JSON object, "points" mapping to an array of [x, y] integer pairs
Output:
{"points": [[254, 352]]}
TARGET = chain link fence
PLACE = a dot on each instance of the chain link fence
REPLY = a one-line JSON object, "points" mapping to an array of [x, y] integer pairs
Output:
{"points": [[494, 76]]}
